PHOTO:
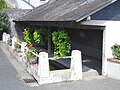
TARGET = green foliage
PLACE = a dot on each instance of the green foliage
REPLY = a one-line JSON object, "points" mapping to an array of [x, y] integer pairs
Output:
{"points": [[116, 51], [29, 53], [3, 22], [3, 5], [61, 43], [40, 36], [37, 36], [27, 36]]}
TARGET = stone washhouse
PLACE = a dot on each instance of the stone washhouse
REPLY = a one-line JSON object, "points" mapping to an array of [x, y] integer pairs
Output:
{"points": [[93, 38]]}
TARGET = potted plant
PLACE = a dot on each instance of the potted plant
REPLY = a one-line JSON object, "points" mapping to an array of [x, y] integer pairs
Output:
{"points": [[37, 36], [61, 41], [116, 52], [40, 36], [113, 64], [28, 36]]}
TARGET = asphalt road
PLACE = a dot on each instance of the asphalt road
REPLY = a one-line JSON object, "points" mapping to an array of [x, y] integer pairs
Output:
{"points": [[11, 80]]}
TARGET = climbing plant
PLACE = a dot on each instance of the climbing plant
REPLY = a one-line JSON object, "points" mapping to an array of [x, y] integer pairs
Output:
{"points": [[61, 41]]}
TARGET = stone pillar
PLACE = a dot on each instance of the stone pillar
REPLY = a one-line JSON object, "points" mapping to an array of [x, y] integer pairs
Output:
{"points": [[23, 44], [4, 37], [7, 37], [43, 65], [76, 65], [14, 39]]}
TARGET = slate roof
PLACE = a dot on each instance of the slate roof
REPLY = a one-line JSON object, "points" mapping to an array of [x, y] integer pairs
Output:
{"points": [[15, 13], [65, 10]]}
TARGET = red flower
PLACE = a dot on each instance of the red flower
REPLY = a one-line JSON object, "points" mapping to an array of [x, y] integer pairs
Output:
{"points": [[30, 46]]}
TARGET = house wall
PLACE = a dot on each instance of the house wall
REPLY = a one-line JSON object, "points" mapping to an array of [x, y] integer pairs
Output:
{"points": [[111, 12]]}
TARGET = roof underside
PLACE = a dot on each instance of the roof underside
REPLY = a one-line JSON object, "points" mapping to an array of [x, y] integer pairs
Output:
{"points": [[65, 10]]}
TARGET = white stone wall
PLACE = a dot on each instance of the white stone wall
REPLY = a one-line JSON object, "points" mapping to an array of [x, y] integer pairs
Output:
{"points": [[113, 70]]}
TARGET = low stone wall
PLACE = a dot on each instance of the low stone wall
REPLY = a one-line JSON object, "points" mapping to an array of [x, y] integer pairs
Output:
{"points": [[41, 69]]}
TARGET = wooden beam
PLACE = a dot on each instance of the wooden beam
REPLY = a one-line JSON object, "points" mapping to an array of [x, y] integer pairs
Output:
{"points": [[49, 40], [64, 25]]}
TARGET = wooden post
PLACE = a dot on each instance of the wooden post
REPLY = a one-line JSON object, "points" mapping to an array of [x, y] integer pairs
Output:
{"points": [[4, 37], [14, 39], [49, 41], [43, 65], [23, 44], [76, 65]]}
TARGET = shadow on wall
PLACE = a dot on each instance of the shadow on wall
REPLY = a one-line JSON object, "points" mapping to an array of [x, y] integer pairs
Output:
{"points": [[112, 12], [19, 31]]}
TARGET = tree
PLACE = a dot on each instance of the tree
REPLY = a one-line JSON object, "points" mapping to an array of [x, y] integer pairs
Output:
{"points": [[3, 23], [3, 4]]}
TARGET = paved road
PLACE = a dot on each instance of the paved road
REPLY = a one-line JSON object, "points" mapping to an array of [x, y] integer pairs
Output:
{"points": [[10, 80]]}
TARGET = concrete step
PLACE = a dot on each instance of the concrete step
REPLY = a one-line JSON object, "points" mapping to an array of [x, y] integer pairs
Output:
{"points": [[88, 73]]}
